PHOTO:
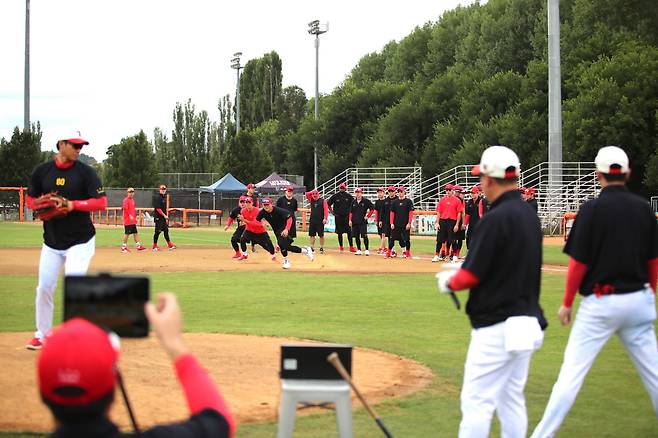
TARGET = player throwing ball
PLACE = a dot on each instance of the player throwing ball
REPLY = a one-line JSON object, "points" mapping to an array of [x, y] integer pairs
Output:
{"points": [[68, 233], [613, 249]]}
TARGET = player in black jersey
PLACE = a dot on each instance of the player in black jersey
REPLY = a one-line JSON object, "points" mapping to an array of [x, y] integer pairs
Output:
{"points": [[237, 234], [68, 241], [360, 210], [380, 214], [288, 202], [161, 218], [401, 217], [339, 204]]}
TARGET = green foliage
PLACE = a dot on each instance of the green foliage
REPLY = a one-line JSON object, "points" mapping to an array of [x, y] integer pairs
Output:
{"points": [[246, 158], [130, 163], [260, 88], [19, 155]]}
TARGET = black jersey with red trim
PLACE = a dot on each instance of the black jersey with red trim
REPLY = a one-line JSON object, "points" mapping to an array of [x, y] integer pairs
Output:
{"points": [[614, 235], [506, 255], [77, 182], [159, 202], [358, 210], [473, 209], [277, 218], [317, 210], [401, 209], [288, 204], [340, 203]]}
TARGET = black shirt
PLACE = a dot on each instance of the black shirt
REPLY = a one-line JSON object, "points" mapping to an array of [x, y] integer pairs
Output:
{"points": [[401, 209], [472, 209], [288, 204], [614, 235], [74, 183], [159, 202], [506, 255], [234, 215], [340, 203], [317, 210], [533, 204], [383, 207], [359, 210], [206, 424], [277, 218]]}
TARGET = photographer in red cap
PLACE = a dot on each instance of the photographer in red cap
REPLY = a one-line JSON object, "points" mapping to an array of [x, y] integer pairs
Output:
{"points": [[77, 373], [503, 303]]}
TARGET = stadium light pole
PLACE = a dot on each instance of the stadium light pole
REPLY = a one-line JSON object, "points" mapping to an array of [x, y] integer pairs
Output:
{"points": [[315, 29], [554, 97], [26, 96], [235, 64]]}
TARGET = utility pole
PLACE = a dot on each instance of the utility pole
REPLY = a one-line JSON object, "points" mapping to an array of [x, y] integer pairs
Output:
{"points": [[314, 29], [26, 96], [235, 64], [554, 98]]}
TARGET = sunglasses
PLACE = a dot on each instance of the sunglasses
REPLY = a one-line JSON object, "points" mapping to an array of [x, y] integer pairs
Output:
{"points": [[163, 188], [131, 191], [76, 145]]}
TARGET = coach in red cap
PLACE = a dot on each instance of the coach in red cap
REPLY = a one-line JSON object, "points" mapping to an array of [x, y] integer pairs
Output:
{"points": [[77, 372]]}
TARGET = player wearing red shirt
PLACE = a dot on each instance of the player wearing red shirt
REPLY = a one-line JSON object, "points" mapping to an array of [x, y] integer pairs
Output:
{"points": [[255, 231], [130, 222]]}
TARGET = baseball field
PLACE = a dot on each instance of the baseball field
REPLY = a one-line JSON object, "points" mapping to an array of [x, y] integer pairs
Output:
{"points": [[410, 341]]}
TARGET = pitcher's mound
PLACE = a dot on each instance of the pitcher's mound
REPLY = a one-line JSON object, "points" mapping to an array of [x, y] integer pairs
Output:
{"points": [[244, 367]]}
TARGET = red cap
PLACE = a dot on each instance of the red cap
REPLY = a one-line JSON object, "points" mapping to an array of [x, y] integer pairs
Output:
{"points": [[358, 190], [381, 189], [402, 189], [77, 364], [242, 198], [475, 189], [457, 188], [342, 186], [449, 186], [266, 201], [290, 189], [392, 189], [530, 191], [250, 186]]}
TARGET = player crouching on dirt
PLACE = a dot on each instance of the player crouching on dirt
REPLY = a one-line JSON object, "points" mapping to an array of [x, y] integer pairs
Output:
{"points": [[79, 388]]}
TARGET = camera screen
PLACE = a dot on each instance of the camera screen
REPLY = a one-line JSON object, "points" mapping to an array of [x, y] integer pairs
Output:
{"points": [[112, 303]]}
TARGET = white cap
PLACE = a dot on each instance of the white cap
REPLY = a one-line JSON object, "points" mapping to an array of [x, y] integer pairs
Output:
{"points": [[610, 156], [73, 137], [498, 162]]}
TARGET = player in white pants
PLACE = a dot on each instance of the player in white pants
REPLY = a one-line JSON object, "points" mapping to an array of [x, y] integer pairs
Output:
{"points": [[69, 241], [619, 295]]}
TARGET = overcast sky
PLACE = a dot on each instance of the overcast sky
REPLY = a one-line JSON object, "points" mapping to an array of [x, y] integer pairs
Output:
{"points": [[111, 68]]}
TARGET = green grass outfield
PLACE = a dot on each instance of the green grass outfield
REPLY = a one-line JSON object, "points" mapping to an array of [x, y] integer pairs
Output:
{"points": [[402, 314]]}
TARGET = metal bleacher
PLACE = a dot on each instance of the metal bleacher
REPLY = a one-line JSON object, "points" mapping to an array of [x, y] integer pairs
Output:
{"points": [[370, 178]]}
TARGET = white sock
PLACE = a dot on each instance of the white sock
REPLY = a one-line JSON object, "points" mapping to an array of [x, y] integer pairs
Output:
{"points": [[137, 244]]}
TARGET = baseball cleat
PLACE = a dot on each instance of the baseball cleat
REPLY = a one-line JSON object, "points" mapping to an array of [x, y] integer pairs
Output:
{"points": [[34, 344], [341, 249], [393, 253], [141, 248], [237, 255], [124, 249], [172, 247], [243, 257], [321, 250], [308, 252], [367, 252], [352, 249], [435, 259], [155, 249], [286, 264], [387, 255], [357, 252], [407, 254], [455, 259]]}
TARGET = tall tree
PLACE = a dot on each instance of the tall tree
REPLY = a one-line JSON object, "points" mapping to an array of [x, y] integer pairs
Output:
{"points": [[247, 160], [260, 87], [20, 155], [131, 162]]}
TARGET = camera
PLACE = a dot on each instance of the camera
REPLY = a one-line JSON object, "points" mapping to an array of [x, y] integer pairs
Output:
{"points": [[114, 303]]}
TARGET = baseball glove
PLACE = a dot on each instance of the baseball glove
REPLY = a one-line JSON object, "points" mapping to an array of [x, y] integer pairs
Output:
{"points": [[49, 206]]}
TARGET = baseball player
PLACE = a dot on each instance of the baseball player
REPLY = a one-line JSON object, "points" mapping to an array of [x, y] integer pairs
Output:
{"points": [[281, 221], [161, 218], [255, 199], [69, 241], [503, 304], [401, 217], [318, 218], [382, 210], [473, 211], [255, 231], [130, 221], [613, 249], [339, 204], [239, 230], [288, 202], [530, 198], [360, 210], [459, 230], [447, 212]]}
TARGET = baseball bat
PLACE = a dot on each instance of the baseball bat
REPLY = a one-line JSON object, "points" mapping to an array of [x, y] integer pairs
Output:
{"points": [[335, 361], [455, 300]]}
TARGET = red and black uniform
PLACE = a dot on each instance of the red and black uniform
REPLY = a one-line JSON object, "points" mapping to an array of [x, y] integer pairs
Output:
{"points": [[474, 210], [360, 211], [382, 211], [255, 231], [77, 182], [448, 210], [161, 223], [254, 199], [280, 219], [291, 206], [319, 213], [237, 234], [129, 217], [340, 203], [402, 213], [210, 415]]}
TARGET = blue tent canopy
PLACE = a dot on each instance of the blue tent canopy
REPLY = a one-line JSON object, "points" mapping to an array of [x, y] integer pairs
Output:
{"points": [[227, 184]]}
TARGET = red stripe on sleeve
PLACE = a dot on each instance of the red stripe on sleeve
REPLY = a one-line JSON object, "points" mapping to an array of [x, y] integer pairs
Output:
{"points": [[411, 217], [463, 279], [29, 200], [652, 268], [91, 204], [200, 391], [289, 223], [326, 209], [349, 216], [575, 275], [391, 216], [229, 222]]}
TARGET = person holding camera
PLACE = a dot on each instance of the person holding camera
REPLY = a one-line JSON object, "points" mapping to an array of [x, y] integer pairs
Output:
{"points": [[80, 388]]}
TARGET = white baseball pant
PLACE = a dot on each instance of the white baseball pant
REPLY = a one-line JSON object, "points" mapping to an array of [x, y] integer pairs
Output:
{"points": [[494, 379], [75, 260], [631, 317]]}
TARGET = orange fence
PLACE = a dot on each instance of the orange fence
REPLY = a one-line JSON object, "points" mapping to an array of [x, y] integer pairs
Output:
{"points": [[113, 215], [21, 200]]}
